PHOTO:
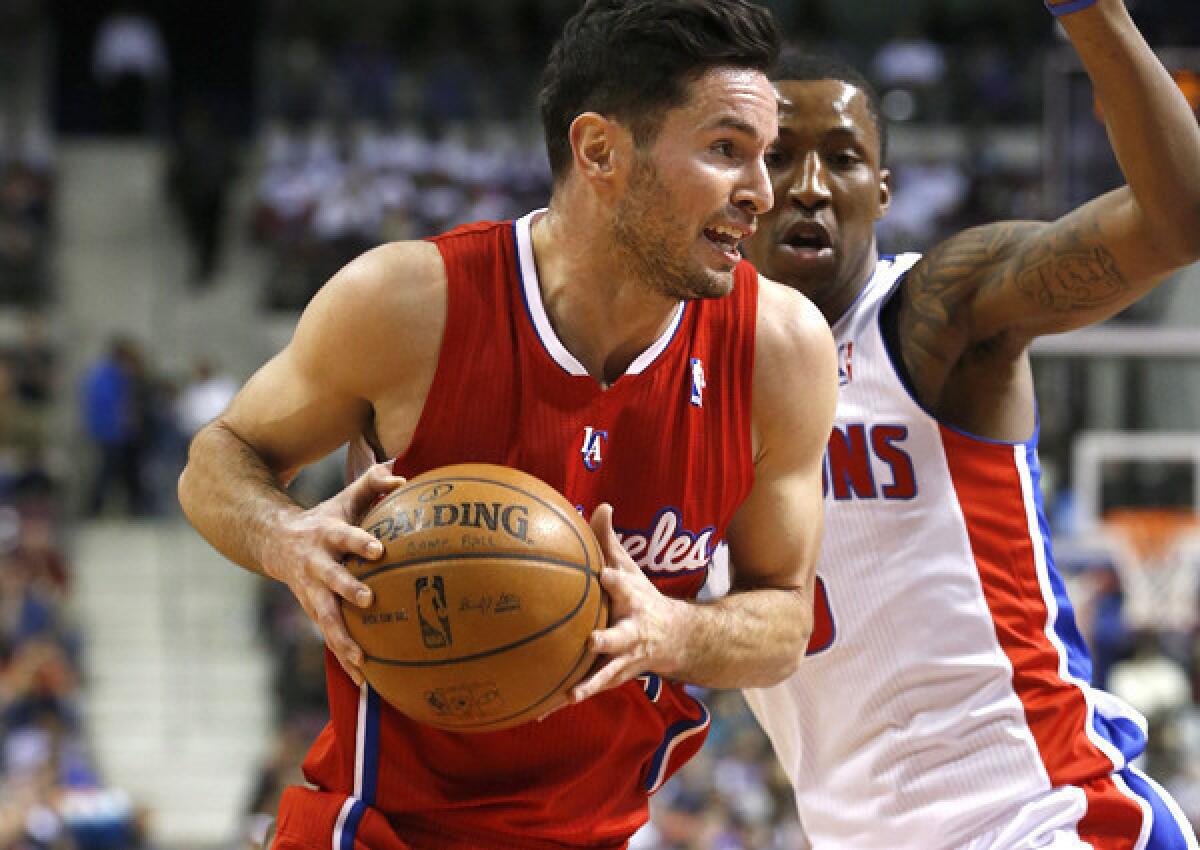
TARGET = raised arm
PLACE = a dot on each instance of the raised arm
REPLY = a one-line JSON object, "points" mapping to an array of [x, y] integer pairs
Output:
{"points": [[756, 634], [1024, 279], [369, 337]]}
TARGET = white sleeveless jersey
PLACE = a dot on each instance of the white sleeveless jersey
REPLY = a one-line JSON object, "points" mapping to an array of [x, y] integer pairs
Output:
{"points": [[943, 699]]}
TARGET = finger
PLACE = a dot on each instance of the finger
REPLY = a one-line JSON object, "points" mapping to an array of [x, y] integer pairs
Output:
{"points": [[614, 582], [616, 672], [614, 554], [352, 540], [382, 477], [377, 481], [333, 627], [613, 641], [556, 703], [339, 580], [355, 674]]}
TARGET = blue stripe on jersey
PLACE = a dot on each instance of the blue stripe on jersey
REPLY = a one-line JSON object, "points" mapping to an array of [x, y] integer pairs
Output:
{"points": [[1124, 733], [1079, 660], [652, 683], [350, 827], [370, 778], [675, 732], [1169, 829]]}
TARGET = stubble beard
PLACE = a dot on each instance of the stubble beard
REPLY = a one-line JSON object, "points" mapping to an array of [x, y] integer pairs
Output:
{"points": [[645, 227]]}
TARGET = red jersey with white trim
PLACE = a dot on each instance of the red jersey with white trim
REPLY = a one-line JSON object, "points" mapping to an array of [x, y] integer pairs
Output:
{"points": [[944, 701], [668, 444]]}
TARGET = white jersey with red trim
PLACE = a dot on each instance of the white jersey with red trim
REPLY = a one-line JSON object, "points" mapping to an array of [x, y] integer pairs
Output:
{"points": [[944, 702]]}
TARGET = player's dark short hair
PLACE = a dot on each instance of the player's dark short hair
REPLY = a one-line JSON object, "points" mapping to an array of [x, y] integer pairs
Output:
{"points": [[632, 61], [803, 64]]}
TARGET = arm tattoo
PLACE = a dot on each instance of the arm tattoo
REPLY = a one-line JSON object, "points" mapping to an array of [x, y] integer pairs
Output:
{"points": [[951, 275], [1071, 272]]}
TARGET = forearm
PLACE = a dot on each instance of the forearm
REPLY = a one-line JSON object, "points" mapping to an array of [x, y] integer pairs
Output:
{"points": [[231, 497], [743, 640], [1152, 127]]}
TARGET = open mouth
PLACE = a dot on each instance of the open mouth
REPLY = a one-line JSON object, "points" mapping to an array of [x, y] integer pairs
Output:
{"points": [[808, 238], [726, 238]]}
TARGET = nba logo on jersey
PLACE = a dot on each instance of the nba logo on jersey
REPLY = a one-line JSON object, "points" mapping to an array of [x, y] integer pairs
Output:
{"points": [[845, 363], [697, 382], [593, 443]]}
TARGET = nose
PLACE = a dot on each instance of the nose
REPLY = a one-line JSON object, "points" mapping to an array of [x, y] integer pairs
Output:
{"points": [[810, 189], [753, 194]]}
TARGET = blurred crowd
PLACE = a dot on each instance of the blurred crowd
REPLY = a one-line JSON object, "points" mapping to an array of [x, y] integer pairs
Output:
{"points": [[26, 192], [137, 421], [374, 122], [324, 197], [51, 795]]}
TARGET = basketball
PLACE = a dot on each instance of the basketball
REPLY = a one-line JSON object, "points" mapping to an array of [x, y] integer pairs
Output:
{"points": [[485, 596]]}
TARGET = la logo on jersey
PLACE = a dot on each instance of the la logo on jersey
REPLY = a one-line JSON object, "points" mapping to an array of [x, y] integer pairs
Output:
{"points": [[697, 382], [593, 447]]}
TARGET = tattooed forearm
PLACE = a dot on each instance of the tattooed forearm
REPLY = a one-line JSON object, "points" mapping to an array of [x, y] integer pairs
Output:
{"points": [[1072, 273]]}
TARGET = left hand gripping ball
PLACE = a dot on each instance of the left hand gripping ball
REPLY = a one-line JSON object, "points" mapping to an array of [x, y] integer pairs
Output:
{"points": [[486, 594]]}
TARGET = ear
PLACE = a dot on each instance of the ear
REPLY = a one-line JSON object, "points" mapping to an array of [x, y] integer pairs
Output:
{"points": [[885, 190], [594, 142]]}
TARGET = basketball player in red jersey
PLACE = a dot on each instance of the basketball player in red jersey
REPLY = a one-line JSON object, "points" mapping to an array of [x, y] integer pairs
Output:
{"points": [[944, 702], [614, 345]]}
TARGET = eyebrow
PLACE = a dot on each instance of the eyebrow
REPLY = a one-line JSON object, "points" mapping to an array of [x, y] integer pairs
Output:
{"points": [[729, 122], [851, 132]]}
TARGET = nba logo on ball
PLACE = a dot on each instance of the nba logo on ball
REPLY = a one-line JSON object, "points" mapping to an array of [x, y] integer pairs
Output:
{"points": [[431, 612]]}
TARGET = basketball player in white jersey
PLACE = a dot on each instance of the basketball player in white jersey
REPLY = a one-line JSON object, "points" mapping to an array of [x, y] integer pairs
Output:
{"points": [[943, 701]]}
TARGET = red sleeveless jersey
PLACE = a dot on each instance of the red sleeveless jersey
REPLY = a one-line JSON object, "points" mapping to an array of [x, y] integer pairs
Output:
{"points": [[668, 445]]}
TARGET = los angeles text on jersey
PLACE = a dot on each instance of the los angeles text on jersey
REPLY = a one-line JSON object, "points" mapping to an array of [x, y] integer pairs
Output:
{"points": [[667, 547], [869, 462]]}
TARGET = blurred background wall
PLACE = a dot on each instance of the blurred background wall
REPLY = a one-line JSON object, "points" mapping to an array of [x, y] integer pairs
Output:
{"points": [[177, 179]]}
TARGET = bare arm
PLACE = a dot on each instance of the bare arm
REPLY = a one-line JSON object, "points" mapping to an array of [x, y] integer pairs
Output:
{"points": [[1013, 281], [754, 636], [320, 391]]}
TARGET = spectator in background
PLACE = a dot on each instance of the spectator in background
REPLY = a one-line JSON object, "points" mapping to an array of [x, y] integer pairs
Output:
{"points": [[111, 405], [200, 172], [911, 64], [1107, 634], [24, 234], [205, 396], [129, 63], [1151, 681], [23, 60], [34, 362]]}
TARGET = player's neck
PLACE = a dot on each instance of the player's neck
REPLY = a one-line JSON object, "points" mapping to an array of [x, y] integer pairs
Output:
{"points": [[601, 314], [834, 300]]}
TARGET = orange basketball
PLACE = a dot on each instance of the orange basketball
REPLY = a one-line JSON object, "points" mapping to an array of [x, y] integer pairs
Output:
{"points": [[484, 598]]}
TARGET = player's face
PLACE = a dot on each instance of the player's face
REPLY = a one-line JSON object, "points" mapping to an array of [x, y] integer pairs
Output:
{"points": [[830, 189], [694, 194]]}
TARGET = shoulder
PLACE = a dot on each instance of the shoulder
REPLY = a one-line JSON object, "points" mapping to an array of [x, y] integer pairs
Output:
{"points": [[393, 276], [398, 280], [387, 305], [791, 330], [795, 373], [795, 377]]}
